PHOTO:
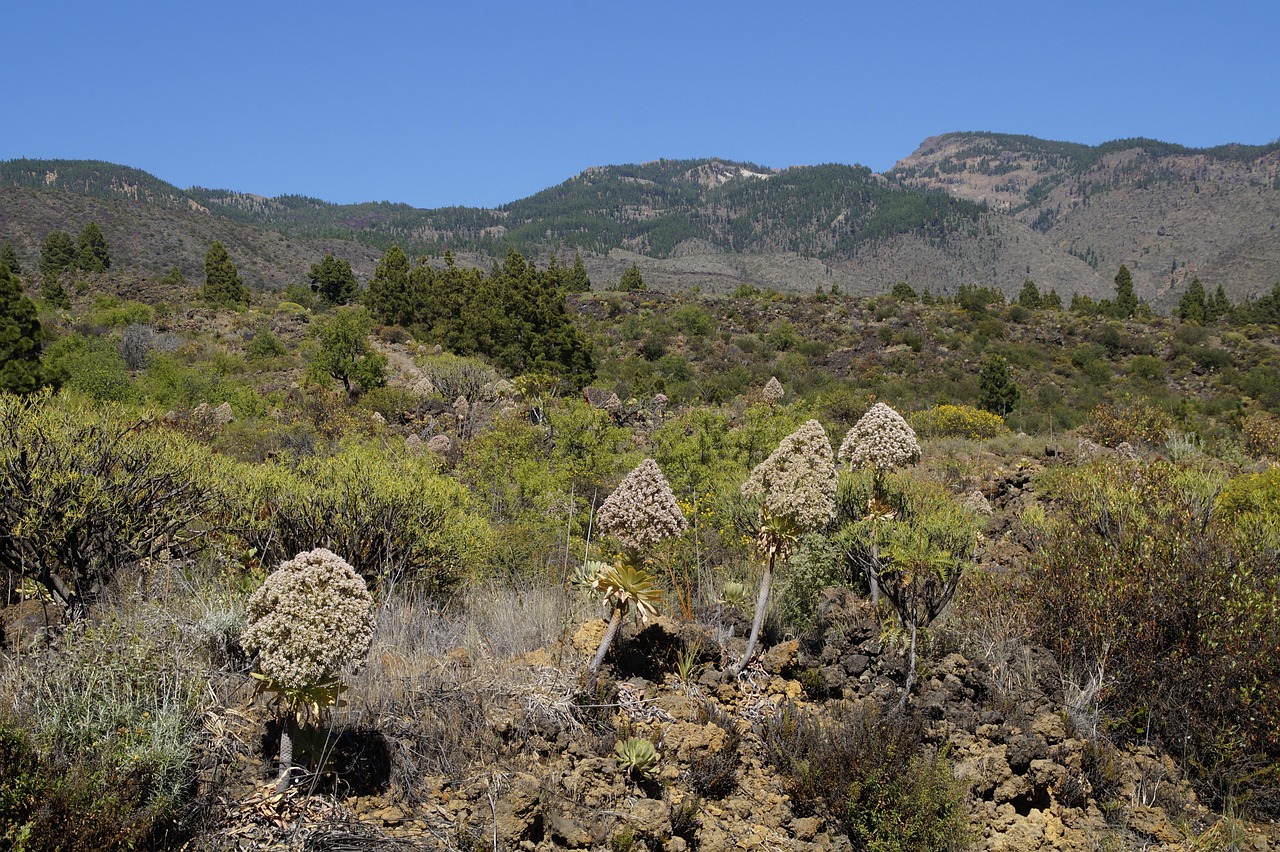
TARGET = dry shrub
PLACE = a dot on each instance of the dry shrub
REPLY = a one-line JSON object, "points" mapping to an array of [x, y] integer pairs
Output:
{"points": [[444, 685], [987, 622], [870, 772], [713, 774], [1137, 571], [99, 732], [1261, 435], [1138, 422]]}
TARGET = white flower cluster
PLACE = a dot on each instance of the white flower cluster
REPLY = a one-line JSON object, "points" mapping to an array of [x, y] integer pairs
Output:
{"points": [[797, 482], [881, 440], [311, 617], [773, 391], [641, 510]]}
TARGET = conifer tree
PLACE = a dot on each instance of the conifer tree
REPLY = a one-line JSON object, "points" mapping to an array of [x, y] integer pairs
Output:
{"points": [[333, 281], [20, 337], [631, 279], [57, 255], [1126, 302], [1218, 306], [92, 254], [53, 293], [9, 258], [996, 391], [1192, 306], [222, 282], [1030, 296], [576, 280], [390, 297]]}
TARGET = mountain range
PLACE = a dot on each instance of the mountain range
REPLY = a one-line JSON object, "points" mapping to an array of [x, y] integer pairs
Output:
{"points": [[982, 208]]}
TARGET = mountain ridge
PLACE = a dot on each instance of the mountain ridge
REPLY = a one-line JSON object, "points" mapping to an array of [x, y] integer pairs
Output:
{"points": [[971, 207]]}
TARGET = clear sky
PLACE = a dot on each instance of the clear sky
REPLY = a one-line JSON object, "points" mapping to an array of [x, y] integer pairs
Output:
{"points": [[481, 103]]}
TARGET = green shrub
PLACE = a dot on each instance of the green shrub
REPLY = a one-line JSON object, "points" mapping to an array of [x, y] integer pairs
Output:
{"points": [[92, 366], [87, 492], [1261, 435], [815, 565], [393, 517], [1136, 572], [112, 312]]}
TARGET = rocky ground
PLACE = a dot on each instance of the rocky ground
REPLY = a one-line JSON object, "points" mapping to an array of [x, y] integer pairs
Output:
{"points": [[550, 781]]}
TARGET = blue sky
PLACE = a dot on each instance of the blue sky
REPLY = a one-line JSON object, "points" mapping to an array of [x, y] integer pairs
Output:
{"points": [[481, 103]]}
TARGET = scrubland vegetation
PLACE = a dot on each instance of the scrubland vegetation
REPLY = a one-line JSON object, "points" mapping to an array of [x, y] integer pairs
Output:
{"points": [[1100, 483]]}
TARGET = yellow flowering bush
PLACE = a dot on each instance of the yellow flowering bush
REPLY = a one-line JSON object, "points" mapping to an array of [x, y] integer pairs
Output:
{"points": [[957, 421]]}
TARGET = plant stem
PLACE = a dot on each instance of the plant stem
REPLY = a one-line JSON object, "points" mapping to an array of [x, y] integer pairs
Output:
{"points": [[766, 583], [614, 623], [286, 753]]}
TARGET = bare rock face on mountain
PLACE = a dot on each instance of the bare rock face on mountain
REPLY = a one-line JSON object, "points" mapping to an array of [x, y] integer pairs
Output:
{"points": [[1167, 212]]}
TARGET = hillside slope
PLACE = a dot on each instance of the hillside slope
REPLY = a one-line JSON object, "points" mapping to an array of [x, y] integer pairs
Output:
{"points": [[964, 208], [1168, 212]]}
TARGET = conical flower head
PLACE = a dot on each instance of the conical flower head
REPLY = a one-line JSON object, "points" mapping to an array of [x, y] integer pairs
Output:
{"points": [[773, 391], [641, 510], [309, 619], [881, 440], [797, 482]]}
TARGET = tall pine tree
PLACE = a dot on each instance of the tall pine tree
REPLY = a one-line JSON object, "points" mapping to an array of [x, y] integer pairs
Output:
{"points": [[57, 254], [9, 258], [92, 254], [333, 281], [996, 391], [390, 296], [20, 337], [1126, 303], [1192, 306], [222, 282], [576, 281]]}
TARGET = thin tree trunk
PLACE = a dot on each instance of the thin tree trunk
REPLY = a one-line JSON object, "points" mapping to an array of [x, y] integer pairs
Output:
{"points": [[766, 583], [873, 575], [911, 670], [607, 640], [286, 753]]}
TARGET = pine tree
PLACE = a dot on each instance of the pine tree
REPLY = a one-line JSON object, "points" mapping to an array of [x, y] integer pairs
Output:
{"points": [[57, 255], [20, 337], [1030, 296], [996, 391], [389, 297], [333, 281], [1051, 300], [174, 278], [631, 280], [1219, 306], [1126, 302], [576, 280], [1192, 306], [92, 254], [9, 258], [222, 282]]}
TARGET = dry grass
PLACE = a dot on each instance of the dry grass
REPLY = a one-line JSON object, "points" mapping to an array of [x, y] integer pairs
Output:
{"points": [[447, 687]]}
